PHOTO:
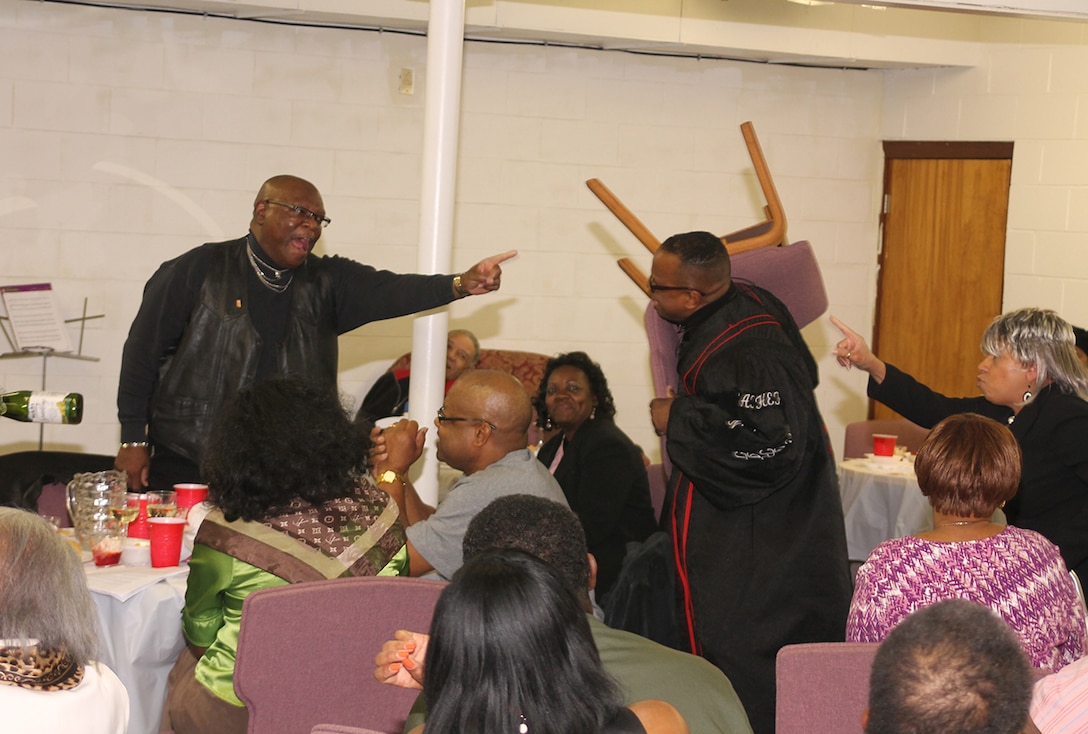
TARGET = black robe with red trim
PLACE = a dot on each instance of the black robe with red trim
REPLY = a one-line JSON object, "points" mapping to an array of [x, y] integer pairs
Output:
{"points": [[756, 517]]}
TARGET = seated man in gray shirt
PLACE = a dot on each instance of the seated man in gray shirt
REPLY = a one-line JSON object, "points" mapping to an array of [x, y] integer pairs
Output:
{"points": [[644, 669], [482, 431]]}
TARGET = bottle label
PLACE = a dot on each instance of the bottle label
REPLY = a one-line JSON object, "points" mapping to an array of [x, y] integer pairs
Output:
{"points": [[46, 407]]}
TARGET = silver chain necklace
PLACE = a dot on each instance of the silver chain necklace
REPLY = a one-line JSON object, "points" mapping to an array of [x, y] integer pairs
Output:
{"points": [[270, 282]]}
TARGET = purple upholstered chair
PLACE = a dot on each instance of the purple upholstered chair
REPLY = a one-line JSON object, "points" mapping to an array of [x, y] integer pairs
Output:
{"points": [[306, 652], [823, 687], [858, 440]]}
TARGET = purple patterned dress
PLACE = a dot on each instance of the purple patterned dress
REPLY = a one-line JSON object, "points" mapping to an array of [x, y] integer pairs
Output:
{"points": [[1017, 573]]}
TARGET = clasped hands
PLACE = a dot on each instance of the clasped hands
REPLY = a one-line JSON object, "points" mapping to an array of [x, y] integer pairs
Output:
{"points": [[396, 447], [400, 661]]}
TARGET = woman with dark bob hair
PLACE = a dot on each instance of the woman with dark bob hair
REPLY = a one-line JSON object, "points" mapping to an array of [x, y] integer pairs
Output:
{"points": [[599, 468], [286, 470], [1031, 378], [968, 467], [511, 651]]}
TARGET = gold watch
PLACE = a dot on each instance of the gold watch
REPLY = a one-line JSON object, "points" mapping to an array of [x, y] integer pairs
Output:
{"points": [[389, 476], [461, 290]]}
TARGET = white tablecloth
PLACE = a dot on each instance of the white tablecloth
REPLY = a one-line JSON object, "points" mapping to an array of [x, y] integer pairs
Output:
{"points": [[141, 637], [880, 502]]}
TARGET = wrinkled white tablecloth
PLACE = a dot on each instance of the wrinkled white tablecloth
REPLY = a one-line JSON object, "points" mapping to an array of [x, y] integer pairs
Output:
{"points": [[880, 502], [139, 619]]}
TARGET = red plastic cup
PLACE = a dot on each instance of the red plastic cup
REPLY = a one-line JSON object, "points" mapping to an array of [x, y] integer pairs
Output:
{"points": [[189, 495], [138, 527], [165, 540], [884, 444]]}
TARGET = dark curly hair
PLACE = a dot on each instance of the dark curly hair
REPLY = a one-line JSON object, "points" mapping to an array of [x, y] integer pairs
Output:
{"points": [[598, 385], [282, 439]]}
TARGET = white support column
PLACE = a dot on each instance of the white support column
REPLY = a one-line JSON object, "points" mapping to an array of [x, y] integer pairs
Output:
{"points": [[442, 111]]}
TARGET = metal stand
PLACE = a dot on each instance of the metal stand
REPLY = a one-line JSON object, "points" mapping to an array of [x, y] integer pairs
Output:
{"points": [[47, 352]]}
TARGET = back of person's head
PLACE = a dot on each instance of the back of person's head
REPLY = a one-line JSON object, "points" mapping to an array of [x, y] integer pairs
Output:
{"points": [[1041, 337], [43, 590], [968, 465], [282, 439], [954, 666], [542, 527], [701, 252], [510, 645]]}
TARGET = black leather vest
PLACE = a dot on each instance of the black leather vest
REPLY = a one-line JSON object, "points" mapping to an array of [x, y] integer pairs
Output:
{"points": [[218, 353]]}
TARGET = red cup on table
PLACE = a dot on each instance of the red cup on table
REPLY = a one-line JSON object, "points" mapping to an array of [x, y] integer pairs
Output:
{"points": [[884, 444], [165, 540], [137, 528], [189, 496]]}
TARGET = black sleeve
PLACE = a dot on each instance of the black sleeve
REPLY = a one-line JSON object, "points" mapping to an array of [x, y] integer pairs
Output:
{"points": [[365, 294], [926, 407], [169, 299], [741, 436]]}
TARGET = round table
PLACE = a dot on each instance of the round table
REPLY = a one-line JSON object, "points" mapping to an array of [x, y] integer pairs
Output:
{"points": [[879, 502]]}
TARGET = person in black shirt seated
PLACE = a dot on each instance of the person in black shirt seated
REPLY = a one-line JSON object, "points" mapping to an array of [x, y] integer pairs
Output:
{"points": [[600, 469], [389, 395]]}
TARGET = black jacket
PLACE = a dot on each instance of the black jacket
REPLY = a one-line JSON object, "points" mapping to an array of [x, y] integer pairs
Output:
{"points": [[604, 479], [206, 328]]}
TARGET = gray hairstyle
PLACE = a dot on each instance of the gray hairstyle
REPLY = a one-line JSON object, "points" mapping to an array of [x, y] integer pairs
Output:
{"points": [[43, 590], [473, 339], [1040, 337]]}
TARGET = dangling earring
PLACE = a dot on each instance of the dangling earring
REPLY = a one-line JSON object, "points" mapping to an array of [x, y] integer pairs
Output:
{"points": [[593, 413], [523, 727], [1027, 394]]}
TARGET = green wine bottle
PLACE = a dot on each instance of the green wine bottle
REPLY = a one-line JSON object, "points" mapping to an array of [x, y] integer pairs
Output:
{"points": [[42, 407]]}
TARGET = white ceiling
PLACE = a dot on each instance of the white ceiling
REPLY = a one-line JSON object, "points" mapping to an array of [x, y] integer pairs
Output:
{"points": [[845, 34]]}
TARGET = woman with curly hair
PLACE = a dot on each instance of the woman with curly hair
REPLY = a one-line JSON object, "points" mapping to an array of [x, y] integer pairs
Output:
{"points": [[511, 651], [599, 468], [286, 470]]}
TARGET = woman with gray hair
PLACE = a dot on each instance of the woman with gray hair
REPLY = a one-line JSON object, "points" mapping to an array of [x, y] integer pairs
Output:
{"points": [[49, 637], [1029, 377]]}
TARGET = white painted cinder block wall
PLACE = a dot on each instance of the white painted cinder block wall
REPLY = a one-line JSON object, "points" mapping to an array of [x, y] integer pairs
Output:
{"points": [[129, 137]]}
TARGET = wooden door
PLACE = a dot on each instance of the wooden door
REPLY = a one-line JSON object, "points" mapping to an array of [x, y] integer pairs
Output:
{"points": [[942, 259]]}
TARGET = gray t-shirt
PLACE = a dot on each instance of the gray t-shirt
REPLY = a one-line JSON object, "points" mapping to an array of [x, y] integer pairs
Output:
{"points": [[439, 537]]}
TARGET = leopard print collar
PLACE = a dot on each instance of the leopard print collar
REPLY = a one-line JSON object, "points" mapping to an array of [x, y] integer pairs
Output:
{"points": [[37, 669]]}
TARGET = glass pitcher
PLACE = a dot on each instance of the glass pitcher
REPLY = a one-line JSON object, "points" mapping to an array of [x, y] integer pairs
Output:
{"points": [[89, 500]]}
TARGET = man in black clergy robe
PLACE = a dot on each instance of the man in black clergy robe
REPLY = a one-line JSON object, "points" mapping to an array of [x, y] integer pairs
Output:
{"points": [[753, 504]]}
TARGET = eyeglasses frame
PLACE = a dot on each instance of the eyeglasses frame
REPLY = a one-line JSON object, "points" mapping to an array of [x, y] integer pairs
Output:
{"points": [[301, 211], [655, 288], [443, 418]]}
